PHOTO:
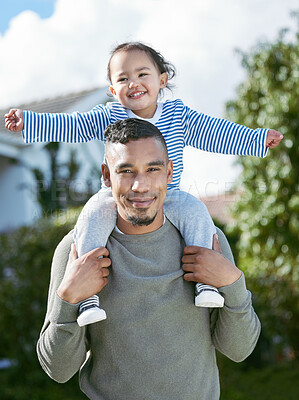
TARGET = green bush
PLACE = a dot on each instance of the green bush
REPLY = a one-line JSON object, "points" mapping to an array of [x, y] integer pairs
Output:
{"points": [[240, 382], [25, 264]]}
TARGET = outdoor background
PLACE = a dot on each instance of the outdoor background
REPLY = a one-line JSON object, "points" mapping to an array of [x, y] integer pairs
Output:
{"points": [[235, 59]]}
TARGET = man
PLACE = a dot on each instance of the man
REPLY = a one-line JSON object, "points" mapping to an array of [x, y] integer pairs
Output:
{"points": [[155, 344]]}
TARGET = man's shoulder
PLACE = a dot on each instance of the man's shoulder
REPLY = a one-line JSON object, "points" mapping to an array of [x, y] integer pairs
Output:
{"points": [[68, 238], [64, 246]]}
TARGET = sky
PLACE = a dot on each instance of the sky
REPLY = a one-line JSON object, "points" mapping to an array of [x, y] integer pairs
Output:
{"points": [[53, 47]]}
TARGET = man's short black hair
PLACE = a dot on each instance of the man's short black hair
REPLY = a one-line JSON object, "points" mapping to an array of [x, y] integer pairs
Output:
{"points": [[133, 129]]}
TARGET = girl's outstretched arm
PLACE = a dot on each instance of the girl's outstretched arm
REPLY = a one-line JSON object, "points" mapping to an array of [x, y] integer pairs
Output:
{"points": [[218, 135], [59, 127]]}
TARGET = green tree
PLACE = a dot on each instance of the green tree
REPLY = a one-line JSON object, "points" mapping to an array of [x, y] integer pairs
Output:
{"points": [[267, 211], [59, 192], [47, 194]]}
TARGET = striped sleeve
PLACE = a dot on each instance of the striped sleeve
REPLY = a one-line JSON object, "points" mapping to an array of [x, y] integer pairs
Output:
{"points": [[218, 135], [70, 128]]}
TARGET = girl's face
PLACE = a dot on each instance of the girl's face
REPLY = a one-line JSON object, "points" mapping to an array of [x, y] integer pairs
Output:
{"points": [[136, 82]]}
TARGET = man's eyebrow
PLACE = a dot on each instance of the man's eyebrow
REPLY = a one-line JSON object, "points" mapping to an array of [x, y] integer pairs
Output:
{"points": [[149, 164], [156, 162], [123, 165]]}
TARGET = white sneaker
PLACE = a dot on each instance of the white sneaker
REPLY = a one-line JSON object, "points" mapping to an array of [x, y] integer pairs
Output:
{"points": [[91, 315], [90, 311], [207, 296]]}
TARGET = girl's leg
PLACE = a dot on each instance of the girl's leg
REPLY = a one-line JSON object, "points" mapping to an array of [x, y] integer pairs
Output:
{"points": [[190, 216], [93, 228]]}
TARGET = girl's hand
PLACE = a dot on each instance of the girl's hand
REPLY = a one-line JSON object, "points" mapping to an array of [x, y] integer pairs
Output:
{"points": [[14, 120], [273, 138]]}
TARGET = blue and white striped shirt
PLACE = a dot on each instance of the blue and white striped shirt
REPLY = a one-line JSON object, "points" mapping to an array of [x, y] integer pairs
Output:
{"points": [[180, 126]]}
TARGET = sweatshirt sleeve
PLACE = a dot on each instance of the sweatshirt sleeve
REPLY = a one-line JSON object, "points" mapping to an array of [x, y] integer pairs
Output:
{"points": [[71, 128], [62, 346], [218, 135], [235, 327]]}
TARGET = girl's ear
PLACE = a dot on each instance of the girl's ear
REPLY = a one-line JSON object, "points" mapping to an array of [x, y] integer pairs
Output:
{"points": [[113, 92], [106, 175], [163, 80]]}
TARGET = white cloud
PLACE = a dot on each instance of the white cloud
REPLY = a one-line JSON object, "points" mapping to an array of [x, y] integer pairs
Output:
{"points": [[69, 51], [65, 52], [200, 38]]}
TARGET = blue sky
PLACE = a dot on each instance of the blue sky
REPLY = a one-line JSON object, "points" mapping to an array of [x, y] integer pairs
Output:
{"points": [[10, 8]]}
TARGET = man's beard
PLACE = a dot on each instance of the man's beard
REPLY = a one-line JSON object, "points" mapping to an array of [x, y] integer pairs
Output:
{"points": [[141, 221]]}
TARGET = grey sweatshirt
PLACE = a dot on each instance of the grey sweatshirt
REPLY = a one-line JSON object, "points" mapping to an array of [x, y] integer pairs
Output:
{"points": [[155, 344]]}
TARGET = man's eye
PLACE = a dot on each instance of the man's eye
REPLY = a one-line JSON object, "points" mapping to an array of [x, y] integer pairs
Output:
{"points": [[125, 171], [153, 169]]}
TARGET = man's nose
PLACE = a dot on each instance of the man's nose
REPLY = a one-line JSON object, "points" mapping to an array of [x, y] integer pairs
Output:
{"points": [[140, 184]]}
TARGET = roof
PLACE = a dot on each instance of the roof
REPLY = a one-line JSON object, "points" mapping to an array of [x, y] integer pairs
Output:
{"points": [[219, 206], [57, 104]]}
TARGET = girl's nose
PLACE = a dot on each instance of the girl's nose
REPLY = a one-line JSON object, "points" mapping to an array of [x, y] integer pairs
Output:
{"points": [[133, 84]]}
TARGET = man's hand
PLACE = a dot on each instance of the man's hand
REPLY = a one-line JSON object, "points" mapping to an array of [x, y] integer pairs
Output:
{"points": [[209, 266], [84, 276], [14, 120], [273, 138]]}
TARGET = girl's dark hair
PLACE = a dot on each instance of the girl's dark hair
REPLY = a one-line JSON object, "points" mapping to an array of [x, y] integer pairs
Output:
{"points": [[157, 58]]}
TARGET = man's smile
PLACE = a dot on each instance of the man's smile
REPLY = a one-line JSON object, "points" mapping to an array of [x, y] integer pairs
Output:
{"points": [[141, 202]]}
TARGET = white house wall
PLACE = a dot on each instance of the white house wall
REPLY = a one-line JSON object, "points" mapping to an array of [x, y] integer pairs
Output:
{"points": [[18, 202]]}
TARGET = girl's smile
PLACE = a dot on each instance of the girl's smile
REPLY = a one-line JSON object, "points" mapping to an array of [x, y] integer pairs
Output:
{"points": [[136, 95]]}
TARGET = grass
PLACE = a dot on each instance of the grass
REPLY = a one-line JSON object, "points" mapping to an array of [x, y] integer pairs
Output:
{"points": [[277, 382]]}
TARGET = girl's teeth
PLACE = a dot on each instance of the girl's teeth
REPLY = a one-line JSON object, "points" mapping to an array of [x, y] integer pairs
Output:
{"points": [[136, 94]]}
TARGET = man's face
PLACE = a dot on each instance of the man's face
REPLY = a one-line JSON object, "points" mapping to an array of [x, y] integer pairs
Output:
{"points": [[138, 173]]}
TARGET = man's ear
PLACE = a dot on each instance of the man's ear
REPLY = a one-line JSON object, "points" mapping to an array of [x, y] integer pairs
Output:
{"points": [[112, 91], [106, 175], [169, 171]]}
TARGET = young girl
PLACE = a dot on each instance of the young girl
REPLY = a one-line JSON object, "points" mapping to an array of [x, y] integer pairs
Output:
{"points": [[137, 75]]}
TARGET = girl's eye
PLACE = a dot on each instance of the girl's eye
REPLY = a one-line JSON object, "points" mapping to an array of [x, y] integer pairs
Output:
{"points": [[143, 74], [122, 79]]}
